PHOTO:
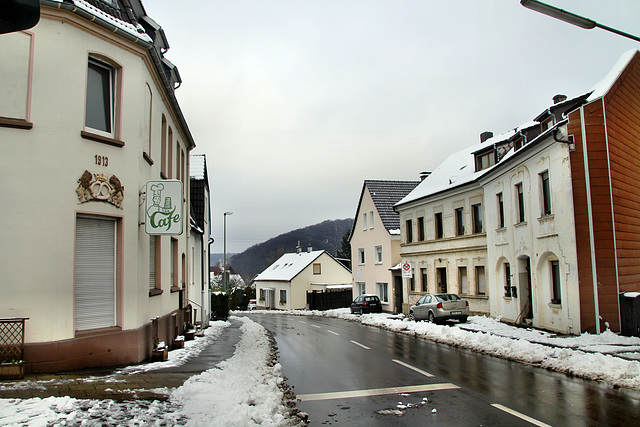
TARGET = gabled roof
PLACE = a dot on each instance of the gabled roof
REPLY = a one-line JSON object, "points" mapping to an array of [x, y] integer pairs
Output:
{"points": [[385, 195], [603, 87], [288, 266]]}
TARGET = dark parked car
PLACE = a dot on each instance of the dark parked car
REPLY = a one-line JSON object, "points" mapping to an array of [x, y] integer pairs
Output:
{"points": [[366, 304], [435, 308]]}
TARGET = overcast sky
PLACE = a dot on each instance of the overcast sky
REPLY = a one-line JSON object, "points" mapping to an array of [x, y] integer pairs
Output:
{"points": [[297, 102]]}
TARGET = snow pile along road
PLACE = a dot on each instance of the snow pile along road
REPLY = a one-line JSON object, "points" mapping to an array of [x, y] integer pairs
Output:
{"points": [[246, 389], [584, 356], [241, 391]]}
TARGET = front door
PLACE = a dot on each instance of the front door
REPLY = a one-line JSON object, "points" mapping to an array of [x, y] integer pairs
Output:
{"points": [[397, 290], [441, 279]]}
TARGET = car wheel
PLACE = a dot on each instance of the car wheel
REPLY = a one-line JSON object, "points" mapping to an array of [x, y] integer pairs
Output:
{"points": [[432, 318], [463, 319], [412, 316]]}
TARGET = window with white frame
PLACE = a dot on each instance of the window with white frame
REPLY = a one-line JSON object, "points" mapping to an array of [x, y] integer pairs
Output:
{"points": [[378, 254], [361, 288], [361, 256], [100, 109], [317, 268], [364, 221], [283, 296], [371, 219], [382, 290]]}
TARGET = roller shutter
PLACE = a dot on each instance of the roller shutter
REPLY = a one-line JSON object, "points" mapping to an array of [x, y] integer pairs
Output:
{"points": [[95, 273]]}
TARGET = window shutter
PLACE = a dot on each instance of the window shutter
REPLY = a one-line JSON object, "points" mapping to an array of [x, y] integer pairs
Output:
{"points": [[95, 273]]}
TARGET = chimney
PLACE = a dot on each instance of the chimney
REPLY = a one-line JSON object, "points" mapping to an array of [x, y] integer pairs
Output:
{"points": [[309, 249], [423, 175], [559, 98], [298, 248], [485, 135]]}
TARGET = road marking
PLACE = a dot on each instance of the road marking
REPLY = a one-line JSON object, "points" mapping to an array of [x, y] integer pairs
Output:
{"points": [[331, 332], [519, 415], [302, 321], [316, 326], [376, 392], [418, 370], [361, 345]]}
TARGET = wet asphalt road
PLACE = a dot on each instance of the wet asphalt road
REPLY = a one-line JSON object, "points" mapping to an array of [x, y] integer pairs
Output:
{"points": [[345, 373]]}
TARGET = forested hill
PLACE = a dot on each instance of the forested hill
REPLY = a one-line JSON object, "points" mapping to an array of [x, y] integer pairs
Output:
{"points": [[327, 235]]}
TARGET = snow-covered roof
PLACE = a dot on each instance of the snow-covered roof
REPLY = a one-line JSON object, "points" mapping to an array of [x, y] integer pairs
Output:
{"points": [[605, 84], [197, 166], [458, 169], [288, 266], [134, 30]]}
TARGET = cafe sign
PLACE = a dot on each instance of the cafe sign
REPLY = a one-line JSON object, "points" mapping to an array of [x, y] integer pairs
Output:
{"points": [[163, 207]]}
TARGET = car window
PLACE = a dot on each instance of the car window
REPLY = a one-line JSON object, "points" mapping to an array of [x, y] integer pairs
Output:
{"points": [[439, 298], [422, 300], [453, 297], [357, 300]]}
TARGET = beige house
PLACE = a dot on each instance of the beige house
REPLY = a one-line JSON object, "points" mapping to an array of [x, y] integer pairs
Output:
{"points": [[443, 234], [88, 116], [285, 283], [375, 242]]}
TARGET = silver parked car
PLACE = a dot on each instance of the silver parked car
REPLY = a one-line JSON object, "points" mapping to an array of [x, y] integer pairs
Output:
{"points": [[435, 308]]}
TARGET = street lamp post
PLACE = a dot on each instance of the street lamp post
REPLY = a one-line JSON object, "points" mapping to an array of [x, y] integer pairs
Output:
{"points": [[225, 283], [572, 18]]}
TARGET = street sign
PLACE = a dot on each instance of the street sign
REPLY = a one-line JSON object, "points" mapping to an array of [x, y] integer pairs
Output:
{"points": [[407, 270], [163, 207]]}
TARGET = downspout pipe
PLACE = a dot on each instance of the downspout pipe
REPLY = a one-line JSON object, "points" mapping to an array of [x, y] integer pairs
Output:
{"points": [[587, 176]]}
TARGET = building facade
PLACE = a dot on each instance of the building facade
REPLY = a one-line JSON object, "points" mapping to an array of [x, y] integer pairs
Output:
{"points": [[285, 283], [375, 242], [88, 117]]}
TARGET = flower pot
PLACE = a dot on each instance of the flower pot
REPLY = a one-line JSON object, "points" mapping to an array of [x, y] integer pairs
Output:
{"points": [[12, 371], [160, 355]]}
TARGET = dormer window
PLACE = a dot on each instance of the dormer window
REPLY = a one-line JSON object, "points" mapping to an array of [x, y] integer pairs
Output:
{"points": [[485, 159], [519, 143], [547, 123]]}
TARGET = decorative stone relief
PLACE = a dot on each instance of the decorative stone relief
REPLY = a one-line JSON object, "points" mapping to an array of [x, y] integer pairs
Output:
{"points": [[100, 187]]}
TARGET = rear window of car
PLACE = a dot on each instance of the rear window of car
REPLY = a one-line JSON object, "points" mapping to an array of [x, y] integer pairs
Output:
{"points": [[447, 297], [369, 299]]}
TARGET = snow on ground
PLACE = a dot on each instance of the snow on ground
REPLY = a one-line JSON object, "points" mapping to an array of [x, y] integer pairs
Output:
{"points": [[594, 357], [248, 388], [243, 390]]}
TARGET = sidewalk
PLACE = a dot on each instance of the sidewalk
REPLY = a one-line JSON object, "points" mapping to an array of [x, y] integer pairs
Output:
{"points": [[150, 381]]}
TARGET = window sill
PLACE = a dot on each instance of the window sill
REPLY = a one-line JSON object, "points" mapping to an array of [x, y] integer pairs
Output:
{"points": [[154, 292], [556, 306], [102, 139], [520, 224], [147, 158], [15, 123], [175, 289]]}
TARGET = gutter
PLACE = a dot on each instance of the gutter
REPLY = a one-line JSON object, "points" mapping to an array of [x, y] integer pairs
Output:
{"points": [[151, 48]]}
